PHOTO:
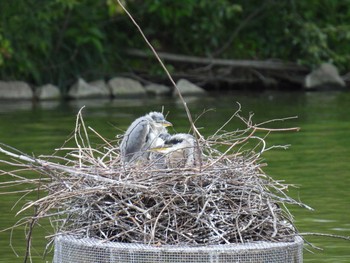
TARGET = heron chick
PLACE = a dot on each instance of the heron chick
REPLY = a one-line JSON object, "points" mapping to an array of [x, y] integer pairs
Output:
{"points": [[142, 135], [178, 151]]}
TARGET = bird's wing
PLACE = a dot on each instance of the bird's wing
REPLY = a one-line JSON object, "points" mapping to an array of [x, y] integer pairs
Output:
{"points": [[135, 136]]}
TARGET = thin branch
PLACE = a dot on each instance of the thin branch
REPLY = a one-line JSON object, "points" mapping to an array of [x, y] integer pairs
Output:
{"points": [[195, 131]]}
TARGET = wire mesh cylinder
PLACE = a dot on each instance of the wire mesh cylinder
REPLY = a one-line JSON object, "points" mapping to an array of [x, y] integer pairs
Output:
{"points": [[69, 249]]}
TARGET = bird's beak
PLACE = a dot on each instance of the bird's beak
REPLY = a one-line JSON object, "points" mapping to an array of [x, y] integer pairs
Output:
{"points": [[161, 149], [167, 123]]}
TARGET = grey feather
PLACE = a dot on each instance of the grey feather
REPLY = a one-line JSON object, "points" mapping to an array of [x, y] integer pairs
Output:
{"points": [[179, 150], [141, 135], [134, 139]]}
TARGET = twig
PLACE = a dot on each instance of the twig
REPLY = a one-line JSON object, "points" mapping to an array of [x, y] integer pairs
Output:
{"points": [[230, 200], [324, 235], [195, 131]]}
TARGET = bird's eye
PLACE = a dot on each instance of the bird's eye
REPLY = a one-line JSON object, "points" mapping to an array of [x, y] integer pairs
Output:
{"points": [[156, 118], [174, 141]]}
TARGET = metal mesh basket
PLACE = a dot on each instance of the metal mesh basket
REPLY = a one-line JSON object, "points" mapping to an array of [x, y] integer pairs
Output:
{"points": [[69, 249]]}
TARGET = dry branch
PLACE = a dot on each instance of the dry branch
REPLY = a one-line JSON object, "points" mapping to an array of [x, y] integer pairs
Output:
{"points": [[229, 200], [256, 64]]}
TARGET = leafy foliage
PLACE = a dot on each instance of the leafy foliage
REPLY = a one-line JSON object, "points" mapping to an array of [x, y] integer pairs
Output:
{"points": [[58, 40], [321, 33]]}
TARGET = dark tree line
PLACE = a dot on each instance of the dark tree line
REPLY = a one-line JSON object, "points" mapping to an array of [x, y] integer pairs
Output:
{"points": [[55, 41]]}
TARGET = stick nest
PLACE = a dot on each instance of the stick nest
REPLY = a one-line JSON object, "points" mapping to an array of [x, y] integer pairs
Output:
{"points": [[227, 199]]}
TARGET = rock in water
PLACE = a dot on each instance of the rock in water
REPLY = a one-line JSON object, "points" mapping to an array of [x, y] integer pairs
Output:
{"points": [[47, 92], [188, 88], [17, 90], [125, 87], [326, 76], [82, 89], [158, 90]]}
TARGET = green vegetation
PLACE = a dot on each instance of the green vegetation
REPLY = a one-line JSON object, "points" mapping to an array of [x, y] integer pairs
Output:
{"points": [[57, 40]]}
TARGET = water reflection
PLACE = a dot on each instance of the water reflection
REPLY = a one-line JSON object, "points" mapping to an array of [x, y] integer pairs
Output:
{"points": [[318, 160]]}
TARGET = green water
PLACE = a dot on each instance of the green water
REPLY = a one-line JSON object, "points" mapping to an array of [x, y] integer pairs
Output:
{"points": [[318, 160]]}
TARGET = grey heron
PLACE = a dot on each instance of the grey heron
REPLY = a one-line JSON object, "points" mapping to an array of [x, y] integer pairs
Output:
{"points": [[142, 135], [178, 151]]}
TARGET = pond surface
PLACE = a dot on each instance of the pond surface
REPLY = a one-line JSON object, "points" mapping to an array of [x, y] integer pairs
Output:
{"points": [[318, 160]]}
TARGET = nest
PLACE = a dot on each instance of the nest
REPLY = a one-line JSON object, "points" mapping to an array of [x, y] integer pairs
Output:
{"points": [[226, 199]]}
